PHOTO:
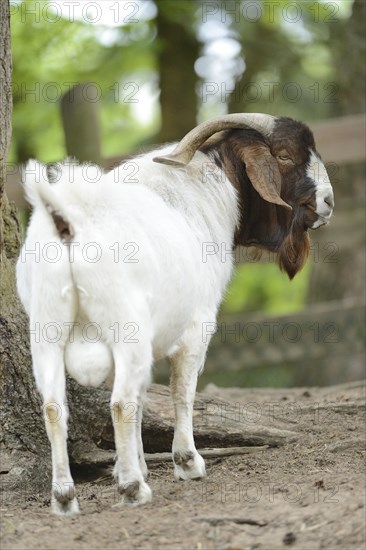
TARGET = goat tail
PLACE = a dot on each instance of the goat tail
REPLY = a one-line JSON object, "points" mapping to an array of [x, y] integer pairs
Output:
{"points": [[39, 193]]}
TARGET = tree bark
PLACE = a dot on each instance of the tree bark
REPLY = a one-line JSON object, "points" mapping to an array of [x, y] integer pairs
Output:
{"points": [[20, 419], [5, 111], [215, 425]]}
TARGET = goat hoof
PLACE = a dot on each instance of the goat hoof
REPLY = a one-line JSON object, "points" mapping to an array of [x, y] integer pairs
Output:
{"points": [[188, 465], [63, 501], [135, 493], [64, 508]]}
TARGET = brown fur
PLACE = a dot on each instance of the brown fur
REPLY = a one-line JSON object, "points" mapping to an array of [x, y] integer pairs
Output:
{"points": [[263, 224]]}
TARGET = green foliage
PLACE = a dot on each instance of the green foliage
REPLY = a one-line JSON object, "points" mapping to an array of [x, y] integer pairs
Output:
{"points": [[261, 377], [258, 286], [123, 60], [49, 58], [291, 64]]}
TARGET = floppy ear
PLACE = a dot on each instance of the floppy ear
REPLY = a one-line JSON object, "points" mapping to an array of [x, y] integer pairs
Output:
{"points": [[263, 172]]}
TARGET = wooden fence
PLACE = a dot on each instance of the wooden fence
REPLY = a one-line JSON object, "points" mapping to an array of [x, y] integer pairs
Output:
{"points": [[322, 345]]}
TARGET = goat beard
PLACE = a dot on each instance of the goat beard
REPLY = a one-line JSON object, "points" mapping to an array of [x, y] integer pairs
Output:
{"points": [[295, 248]]}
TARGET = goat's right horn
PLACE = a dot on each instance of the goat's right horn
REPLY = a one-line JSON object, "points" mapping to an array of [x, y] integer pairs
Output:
{"points": [[186, 148]]}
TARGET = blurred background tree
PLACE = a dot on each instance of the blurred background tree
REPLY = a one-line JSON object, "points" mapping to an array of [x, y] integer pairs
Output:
{"points": [[159, 64], [178, 50], [156, 68]]}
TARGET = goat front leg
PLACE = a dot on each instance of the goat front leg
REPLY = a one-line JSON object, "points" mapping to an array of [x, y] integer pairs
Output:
{"points": [[185, 366], [49, 371], [132, 374]]}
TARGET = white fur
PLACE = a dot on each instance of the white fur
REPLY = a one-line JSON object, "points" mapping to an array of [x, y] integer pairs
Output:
{"points": [[149, 302], [324, 192], [88, 360]]}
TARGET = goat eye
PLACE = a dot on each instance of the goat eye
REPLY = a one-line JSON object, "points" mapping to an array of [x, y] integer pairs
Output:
{"points": [[285, 158]]}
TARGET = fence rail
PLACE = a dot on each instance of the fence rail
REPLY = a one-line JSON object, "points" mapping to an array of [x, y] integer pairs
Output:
{"points": [[323, 343], [341, 140]]}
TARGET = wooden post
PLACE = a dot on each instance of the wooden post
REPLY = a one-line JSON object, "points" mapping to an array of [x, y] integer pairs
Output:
{"points": [[80, 118]]}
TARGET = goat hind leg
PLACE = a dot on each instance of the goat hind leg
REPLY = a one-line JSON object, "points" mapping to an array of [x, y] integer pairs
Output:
{"points": [[50, 374]]}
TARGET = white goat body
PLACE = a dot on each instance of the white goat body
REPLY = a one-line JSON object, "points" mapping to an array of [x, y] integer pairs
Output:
{"points": [[147, 297]]}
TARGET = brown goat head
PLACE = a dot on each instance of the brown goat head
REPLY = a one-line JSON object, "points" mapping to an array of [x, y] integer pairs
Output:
{"points": [[282, 184]]}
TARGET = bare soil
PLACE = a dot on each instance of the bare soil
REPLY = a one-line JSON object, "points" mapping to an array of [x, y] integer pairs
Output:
{"points": [[307, 494]]}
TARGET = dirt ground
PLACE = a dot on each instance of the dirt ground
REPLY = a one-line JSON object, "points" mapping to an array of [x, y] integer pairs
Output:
{"points": [[308, 494]]}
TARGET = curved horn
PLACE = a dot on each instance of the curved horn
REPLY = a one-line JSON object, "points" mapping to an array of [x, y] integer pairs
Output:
{"points": [[187, 147]]}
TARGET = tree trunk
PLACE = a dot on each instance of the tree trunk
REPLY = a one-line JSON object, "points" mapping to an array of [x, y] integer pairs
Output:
{"points": [[80, 119], [24, 444], [178, 54], [215, 425], [20, 419], [257, 58]]}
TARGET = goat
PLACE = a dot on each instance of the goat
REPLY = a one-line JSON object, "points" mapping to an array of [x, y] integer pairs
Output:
{"points": [[235, 180]]}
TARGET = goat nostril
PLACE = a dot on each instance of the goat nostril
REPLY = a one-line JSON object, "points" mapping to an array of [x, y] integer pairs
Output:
{"points": [[329, 201]]}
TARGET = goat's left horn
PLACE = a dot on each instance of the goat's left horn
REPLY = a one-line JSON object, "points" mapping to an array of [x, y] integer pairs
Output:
{"points": [[187, 147]]}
